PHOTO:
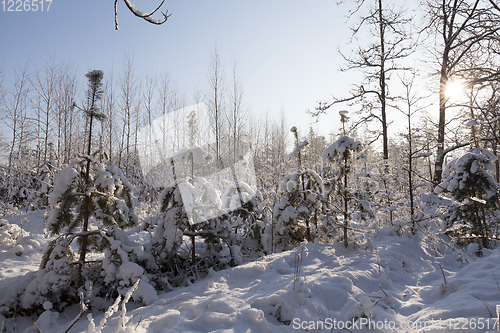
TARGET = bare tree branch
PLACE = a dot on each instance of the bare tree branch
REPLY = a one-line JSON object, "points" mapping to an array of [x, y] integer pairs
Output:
{"points": [[145, 16], [494, 5]]}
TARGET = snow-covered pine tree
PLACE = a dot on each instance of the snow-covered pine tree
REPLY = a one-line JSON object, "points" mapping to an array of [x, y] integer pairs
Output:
{"points": [[476, 193], [45, 180], [16, 186], [299, 201], [245, 219], [90, 202], [167, 237], [340, 155], [190, 206]]}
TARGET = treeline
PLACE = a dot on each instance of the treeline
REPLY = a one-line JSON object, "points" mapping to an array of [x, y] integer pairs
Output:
{"points": [[44, 125]]}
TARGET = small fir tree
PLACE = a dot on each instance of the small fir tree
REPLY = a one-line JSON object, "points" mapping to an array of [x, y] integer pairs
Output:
{"points": [[340, 153], [90, 202], [476, 193], [299, 200]]}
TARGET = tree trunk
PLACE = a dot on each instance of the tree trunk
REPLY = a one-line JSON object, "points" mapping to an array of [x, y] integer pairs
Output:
{"points": [[383, 92], [438, 165], [345, 201]]}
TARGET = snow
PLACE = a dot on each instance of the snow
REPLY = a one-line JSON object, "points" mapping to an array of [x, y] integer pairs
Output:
{"points": [[293, 155], [424, 154], [335, 151], [199, 156], [291, 185], [471, 164], [46, 319], [396, 279], [65, 177]]}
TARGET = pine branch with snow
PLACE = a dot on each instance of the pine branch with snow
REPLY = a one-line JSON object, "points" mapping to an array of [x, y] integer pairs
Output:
{"points": [[110, 193]]}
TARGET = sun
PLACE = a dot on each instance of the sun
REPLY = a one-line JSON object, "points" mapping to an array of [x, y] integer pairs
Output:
{"points": [[455, 90]]}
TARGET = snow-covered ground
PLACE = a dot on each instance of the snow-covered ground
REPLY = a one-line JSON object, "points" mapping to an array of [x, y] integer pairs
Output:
{"points": [[395, 284]]}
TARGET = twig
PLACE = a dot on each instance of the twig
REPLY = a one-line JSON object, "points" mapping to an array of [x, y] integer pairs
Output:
{"points": [[485, 305], [495, 280], [140, 319], [201, 316], [442, 272], [126, 298], [34, 324], [298, 265], [83, 308], [457, 251], [378, 261], [383, 291], [109, 312], [133, 316], [348, 330]]}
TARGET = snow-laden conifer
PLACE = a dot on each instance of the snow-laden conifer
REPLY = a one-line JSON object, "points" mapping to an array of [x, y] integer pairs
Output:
{"points": [[299, 201], [476, 211], [339, 156], [91, 203]]}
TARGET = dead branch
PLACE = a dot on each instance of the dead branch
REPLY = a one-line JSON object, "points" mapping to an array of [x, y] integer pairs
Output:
{"points": [[146, 16], [83, 308]]}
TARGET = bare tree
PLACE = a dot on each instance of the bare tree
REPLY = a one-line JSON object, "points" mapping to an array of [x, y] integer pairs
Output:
{"points": [[108, 130], [236, 117], [45, 85], [279, 146], [314, 151], [390, 44], [65, 118], [127, 106], [165, 105], [148, 97], [2, 103], [15, 116], [411, 106], [461, 29], [216, 105]]}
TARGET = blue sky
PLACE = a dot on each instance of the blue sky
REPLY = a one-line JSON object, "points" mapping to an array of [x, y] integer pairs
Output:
{"points": [[286, 50]]}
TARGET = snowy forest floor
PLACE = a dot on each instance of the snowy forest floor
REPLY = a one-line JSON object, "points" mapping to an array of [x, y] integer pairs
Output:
{"points": [[394, 283]]}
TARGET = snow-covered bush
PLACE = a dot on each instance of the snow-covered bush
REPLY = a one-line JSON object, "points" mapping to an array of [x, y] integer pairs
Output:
{"points": [[106, 195], [191, 208], [16, 240], [476, 193], [341, 153], [10, 233], [299, 201], [340, 196], [55, 281], [121, 269], [16, 186], [124, 263], [45, 180], [91, 207], [245, 218], [167, 237]]}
